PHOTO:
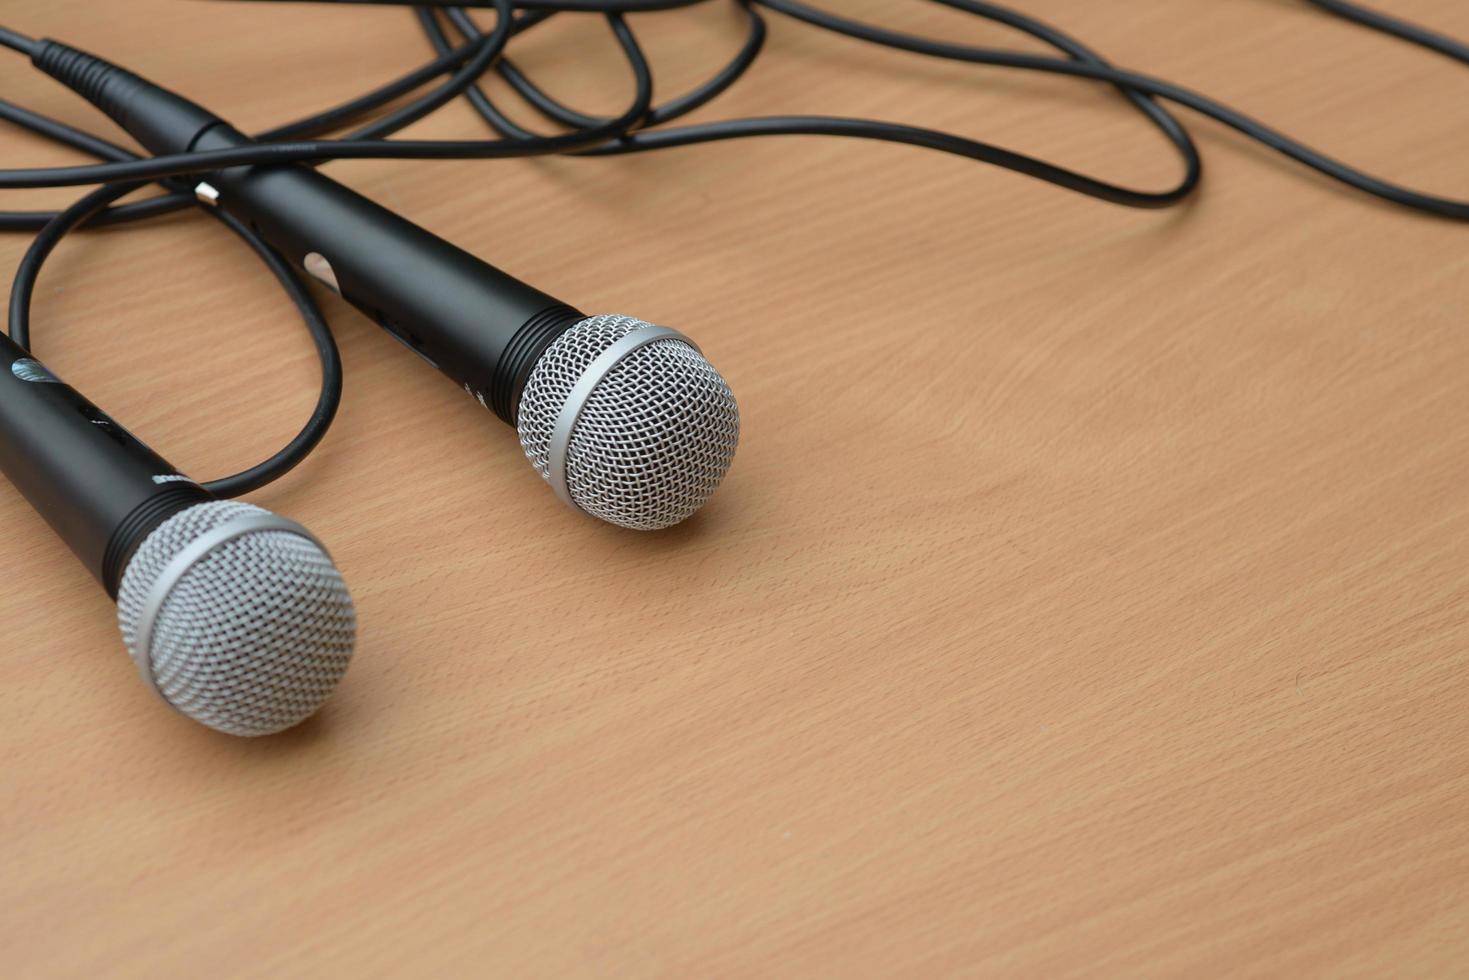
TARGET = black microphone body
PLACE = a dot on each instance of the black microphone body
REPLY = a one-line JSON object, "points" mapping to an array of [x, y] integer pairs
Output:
{"points": [[476, 324], [626, 421], [100, 488], [235, 617]]}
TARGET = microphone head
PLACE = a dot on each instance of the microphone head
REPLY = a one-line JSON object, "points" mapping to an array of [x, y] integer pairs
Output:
{"points": [[628, 422], [237, 618]]}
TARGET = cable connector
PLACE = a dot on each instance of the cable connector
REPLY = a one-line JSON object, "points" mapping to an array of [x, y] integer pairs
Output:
{"points": [[163, 122]]}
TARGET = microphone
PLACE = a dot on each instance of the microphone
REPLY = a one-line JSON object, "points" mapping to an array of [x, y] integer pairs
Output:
{"points": [[627, 421], [235, 617]]}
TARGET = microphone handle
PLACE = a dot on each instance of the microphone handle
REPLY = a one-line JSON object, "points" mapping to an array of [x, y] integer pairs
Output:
{"points": [[98, 487], [476, 324], [481, 327]]}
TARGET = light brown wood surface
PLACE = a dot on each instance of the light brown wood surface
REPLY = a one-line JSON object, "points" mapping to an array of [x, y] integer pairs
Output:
{"points": [[1090, 595]]}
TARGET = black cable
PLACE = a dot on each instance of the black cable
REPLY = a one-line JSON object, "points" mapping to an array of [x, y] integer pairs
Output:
{"points": [[1420, 36], [555, 6], [582, 139], [312, 125], [1272, 138], [590, 128], [325, 150], [329, 119], [474, 94], [691, 101], [22, 291], [329, 398], [59, 132], [19, 42], [485, 50], [558, 112], [786, 125], [630, 132]]}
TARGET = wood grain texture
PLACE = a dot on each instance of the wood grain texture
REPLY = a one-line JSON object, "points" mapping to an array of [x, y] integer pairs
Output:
{"points": [[1090, 596]]}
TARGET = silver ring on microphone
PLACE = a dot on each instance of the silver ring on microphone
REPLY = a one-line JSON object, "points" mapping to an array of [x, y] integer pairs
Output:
{"points": [[585, 385]]}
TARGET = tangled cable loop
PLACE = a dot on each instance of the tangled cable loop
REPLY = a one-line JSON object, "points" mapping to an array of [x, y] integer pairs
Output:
{"points": [[458, 68]]}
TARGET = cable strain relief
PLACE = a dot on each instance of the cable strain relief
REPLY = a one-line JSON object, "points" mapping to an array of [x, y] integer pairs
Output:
{"points": [[163, 122], [99, 82], [521, 355], [143, 521]]}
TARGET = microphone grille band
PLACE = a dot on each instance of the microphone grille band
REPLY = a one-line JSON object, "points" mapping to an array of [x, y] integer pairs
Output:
{"points": [[249, 638], [653, 439]]}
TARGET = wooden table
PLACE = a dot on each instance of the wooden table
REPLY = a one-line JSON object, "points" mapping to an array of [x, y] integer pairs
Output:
{"points": [[1088, 598]]}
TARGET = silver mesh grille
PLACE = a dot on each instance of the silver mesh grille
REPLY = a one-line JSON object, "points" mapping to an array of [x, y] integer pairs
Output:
{"points": [[254, 636], [655, 438]]}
